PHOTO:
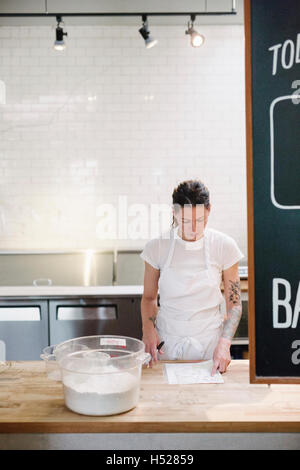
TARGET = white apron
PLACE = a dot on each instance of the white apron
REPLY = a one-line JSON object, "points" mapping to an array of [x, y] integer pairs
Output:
{"points": [[182, 294]]}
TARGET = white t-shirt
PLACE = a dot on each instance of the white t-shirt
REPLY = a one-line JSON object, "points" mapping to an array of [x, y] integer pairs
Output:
{"points": [[224, 251]]}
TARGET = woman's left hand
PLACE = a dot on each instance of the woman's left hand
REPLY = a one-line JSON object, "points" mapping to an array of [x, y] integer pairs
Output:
{"points": [[221, 356]]}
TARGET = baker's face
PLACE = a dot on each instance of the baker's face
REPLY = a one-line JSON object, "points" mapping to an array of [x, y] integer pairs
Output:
{"points": [[192, 221]]}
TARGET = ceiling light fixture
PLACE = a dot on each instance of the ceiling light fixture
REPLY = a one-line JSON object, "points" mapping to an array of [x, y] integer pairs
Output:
{"points": [[59, 44], [196, 38], [145, 33]]}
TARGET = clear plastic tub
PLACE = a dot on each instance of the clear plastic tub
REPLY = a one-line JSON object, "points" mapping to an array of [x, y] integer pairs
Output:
{"points": [[102, 376], [52, 367], [52, 360]]}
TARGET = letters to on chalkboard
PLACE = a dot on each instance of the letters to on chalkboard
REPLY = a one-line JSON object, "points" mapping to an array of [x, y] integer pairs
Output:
{"points": [[289, 53]]}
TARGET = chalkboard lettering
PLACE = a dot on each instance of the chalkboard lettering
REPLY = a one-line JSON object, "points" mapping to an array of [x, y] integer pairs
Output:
{"points": [[289, 54], [290, 318], [296, 354], [296, 84]]}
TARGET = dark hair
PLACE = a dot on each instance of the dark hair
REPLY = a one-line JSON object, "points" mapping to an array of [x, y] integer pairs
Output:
{"points": [[190, 192]]}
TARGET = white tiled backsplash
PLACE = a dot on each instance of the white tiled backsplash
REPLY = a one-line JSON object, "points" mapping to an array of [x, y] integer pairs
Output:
{"points": [[108, 121]]}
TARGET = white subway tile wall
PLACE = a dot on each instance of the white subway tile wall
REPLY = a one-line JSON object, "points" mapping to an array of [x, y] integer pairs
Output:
{"points": [[108, 121]]}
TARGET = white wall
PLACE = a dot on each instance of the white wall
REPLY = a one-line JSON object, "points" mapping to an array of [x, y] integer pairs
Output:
{"points": [[108, 118]]}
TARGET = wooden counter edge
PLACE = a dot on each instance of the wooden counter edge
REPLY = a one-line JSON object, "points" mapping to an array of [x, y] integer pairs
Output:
{"points": [[147, 427]]}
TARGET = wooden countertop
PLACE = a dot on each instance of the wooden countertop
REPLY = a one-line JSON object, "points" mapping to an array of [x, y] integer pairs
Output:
{"points": [[32, 403]]}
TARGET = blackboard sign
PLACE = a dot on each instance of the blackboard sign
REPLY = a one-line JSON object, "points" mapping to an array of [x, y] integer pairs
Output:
{"points": [[272, 30]]}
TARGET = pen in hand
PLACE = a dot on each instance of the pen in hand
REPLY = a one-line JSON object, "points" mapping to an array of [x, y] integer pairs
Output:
{"points": [[158, 348]]}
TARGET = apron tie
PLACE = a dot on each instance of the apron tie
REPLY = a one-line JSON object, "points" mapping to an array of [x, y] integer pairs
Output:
{"points": [[183, 343]]}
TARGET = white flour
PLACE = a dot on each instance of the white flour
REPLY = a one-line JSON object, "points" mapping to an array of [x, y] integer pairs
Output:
{"points": [[101, 395]]}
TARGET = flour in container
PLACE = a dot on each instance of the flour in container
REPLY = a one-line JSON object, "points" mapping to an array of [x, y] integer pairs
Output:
{"points": [[101, 394]]}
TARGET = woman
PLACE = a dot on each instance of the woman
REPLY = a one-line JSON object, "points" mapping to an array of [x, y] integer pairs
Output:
{"points": [[186, 265]]}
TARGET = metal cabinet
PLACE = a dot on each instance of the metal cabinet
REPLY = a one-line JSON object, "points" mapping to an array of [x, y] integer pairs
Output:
{"points": [[23, 329], [29, 325], [71, 318]]}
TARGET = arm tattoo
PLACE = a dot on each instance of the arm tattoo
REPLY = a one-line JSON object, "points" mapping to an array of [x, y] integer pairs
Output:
{"points": [[153, 320], [235, 292], [235, 312]]}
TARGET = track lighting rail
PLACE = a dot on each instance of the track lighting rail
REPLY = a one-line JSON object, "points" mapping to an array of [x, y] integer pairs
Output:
{"points": [[47, 14]]}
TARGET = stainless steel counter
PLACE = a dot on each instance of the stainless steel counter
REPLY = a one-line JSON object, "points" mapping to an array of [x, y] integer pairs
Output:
{"points": [[49, 291]]}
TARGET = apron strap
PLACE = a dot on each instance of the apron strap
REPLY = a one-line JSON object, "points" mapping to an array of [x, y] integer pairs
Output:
{"points": [[206, 251], [171, 251]]}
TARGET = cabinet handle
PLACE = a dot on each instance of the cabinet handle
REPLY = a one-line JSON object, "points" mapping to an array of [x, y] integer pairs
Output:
{"points": [[37, 282], [23, 313], [101, 312]]}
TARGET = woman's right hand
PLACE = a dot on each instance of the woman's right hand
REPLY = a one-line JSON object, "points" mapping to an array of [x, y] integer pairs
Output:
{"points": [[151, 340]]}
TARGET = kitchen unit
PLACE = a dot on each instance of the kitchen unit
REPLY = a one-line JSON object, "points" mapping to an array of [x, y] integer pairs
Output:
{"points": [[43, 309], [47, 298]]}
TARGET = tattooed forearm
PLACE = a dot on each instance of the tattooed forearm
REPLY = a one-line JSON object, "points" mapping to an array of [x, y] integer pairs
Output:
{"points": [[234, 312], [232, 321]]}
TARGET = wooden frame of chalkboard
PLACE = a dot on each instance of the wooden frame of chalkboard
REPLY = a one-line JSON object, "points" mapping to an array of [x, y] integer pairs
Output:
{"points": [[271, 342], [251, 290]]}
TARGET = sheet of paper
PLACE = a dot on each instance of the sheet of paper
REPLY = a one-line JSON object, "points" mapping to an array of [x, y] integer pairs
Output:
{"points": [[192, 373]]}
